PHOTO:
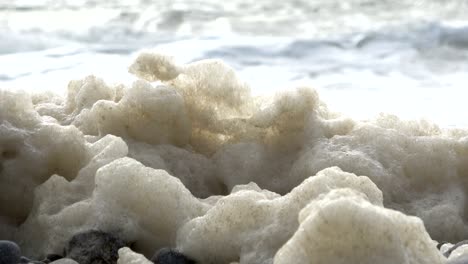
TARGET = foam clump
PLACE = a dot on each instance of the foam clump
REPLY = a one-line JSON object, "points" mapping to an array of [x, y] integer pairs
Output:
{"points": [[196, 171], [250, 225], [139, 204], [149, 114], [154, 67], [31, 151], [344, 227], [127, 256], [82, 94], [195, 163]]}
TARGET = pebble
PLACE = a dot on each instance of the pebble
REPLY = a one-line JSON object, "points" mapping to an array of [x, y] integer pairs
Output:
{"points": [[9, 252], [94, 247], [170, 256]]}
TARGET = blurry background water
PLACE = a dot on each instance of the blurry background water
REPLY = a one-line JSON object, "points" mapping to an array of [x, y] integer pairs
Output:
{"points": [[406, 57]]}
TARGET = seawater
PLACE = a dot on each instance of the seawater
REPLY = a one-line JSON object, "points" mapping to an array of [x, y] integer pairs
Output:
{"points": [[402, 57]]}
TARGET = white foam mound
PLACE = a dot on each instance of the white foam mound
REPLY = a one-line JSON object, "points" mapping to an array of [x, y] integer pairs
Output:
{"points": [[195, 162], [250, 225], [127, 256], [344, 227]]}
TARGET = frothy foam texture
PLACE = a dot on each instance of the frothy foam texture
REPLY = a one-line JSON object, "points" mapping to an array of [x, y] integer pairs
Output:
{"points": [[187, 158]]}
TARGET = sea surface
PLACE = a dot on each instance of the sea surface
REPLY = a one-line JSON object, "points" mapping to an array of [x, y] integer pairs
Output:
{"points": [[403, 57]]}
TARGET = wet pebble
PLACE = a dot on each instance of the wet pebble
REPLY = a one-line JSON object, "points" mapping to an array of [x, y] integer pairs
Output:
{"points": [[9, 252], [94, 247], [170, 256]]}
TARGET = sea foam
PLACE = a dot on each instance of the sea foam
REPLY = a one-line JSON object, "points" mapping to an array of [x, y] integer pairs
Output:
{"points": [[186, 157]]}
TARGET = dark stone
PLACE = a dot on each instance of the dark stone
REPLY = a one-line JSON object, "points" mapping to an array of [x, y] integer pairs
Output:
{"points": [[9, 252], [461, 243], [94, 247], [170, 256]]}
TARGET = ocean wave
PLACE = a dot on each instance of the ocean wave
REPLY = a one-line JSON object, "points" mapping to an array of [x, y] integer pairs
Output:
{"points": [[15, 43], [187, 157], [102, 22]]}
